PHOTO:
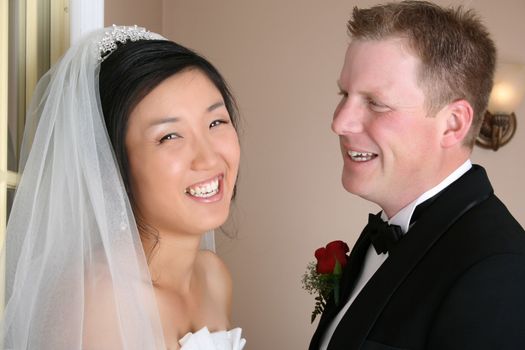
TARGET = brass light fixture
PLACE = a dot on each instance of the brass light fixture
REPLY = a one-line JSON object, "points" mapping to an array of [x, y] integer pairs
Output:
{"points": [[499, 124]]}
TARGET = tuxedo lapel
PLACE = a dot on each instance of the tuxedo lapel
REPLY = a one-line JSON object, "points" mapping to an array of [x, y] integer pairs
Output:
{"points": [[469, 190], [348, 279], [354, 266]]}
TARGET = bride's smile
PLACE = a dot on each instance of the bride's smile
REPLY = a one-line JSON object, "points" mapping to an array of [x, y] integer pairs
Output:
{"points": [[206, 191]]}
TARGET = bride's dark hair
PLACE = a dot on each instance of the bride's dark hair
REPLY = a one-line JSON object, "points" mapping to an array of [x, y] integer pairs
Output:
{"points": [[132, 71]]}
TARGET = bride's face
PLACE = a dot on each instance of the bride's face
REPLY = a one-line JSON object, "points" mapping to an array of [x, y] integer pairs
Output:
{"points": [[183, 155]]}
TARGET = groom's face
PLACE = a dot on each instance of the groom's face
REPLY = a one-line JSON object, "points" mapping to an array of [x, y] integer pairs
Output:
{"points": [[390, 146]]}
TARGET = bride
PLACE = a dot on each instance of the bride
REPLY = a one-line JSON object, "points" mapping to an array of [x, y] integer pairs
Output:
{"points": [[130, 155]]}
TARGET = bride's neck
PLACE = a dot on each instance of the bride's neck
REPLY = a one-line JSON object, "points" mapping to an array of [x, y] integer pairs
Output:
{"points": [[171, 260]]}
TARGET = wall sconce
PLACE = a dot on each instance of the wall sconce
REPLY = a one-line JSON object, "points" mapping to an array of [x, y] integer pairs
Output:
{"points": [[499, 124]]}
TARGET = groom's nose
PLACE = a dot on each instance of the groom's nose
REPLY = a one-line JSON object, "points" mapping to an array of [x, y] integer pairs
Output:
{"points": [[348, 117]]}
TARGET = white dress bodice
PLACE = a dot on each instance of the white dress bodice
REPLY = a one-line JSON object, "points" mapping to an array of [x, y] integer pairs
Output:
{"points": [[206, 340]]}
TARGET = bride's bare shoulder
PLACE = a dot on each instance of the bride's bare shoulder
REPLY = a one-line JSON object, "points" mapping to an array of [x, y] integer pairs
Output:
{"points": [[108, 302], [215, 274], [100, 316]]}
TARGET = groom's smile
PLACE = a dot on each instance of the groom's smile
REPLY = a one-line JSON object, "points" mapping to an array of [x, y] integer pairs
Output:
{"points": [[361, 156]]}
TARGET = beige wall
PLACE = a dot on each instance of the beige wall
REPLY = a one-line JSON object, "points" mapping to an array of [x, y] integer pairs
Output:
{"points": [[129, 12], [282, 59]]}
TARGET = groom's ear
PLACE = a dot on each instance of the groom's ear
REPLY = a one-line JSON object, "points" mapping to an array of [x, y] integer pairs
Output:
{"points": [[458, 120]]}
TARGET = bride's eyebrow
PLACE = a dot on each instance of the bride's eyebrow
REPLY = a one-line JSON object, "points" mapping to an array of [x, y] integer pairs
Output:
{"points": [[164, 121], [215, 106]]}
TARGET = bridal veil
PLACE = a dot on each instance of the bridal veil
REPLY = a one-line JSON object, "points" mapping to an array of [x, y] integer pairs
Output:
{"points": [[76, 273]]}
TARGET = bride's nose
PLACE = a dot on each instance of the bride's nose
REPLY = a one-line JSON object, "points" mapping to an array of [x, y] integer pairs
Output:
{"points": [[205, 156]]}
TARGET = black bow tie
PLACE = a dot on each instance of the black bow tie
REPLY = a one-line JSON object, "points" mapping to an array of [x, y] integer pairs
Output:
{"points": [[382, 234]]}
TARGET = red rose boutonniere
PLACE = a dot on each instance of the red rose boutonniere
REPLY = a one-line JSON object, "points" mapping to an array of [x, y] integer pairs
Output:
{"points": [[322, 277]]}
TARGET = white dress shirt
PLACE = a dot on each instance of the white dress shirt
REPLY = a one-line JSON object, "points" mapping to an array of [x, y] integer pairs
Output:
{"points": [[373, 260]]}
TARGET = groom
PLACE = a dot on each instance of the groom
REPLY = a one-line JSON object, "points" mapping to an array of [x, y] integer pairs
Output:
{"points": [[449, 270]]}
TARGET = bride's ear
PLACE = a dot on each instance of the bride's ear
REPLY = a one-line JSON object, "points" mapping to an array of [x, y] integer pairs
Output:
{"points": [[458, 119]]}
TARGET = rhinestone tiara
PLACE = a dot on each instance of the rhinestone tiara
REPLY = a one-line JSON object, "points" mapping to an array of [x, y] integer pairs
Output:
{"points": [[121, 34]]}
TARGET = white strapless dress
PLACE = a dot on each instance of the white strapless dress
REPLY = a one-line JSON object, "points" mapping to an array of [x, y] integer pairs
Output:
{"points": [[204, 340]]}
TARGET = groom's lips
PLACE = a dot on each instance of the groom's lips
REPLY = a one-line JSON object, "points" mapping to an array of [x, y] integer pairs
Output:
{"points": [[361, 156], [357, 154]]}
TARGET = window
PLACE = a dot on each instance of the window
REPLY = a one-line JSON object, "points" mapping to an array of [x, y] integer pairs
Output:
{"points": [[33, 35]]}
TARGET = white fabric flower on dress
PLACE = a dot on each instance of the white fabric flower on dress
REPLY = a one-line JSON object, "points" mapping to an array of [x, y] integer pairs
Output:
{"points": [[204, 340]]}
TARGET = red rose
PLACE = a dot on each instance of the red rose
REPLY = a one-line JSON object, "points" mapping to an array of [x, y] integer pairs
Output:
{"points": [[326, 257]]}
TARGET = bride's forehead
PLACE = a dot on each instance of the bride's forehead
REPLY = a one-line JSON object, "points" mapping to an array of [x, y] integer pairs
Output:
{"points": [[190, 91]]}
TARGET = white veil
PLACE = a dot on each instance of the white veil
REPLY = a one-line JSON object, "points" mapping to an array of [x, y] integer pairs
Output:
{"points": [[76, 273]]}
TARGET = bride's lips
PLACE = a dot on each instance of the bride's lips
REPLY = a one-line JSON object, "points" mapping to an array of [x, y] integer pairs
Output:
{"points": [[207, 191]]}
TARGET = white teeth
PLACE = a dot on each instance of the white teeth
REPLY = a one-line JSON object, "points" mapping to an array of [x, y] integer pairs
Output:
{"points": [[205, 190], [361, 156]]}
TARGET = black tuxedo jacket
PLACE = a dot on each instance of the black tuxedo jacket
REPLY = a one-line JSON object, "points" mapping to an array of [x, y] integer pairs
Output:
{"points": [[456, 280]]}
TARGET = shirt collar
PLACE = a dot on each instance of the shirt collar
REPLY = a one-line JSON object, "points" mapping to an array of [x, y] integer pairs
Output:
{"points": [[402, 218]]}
